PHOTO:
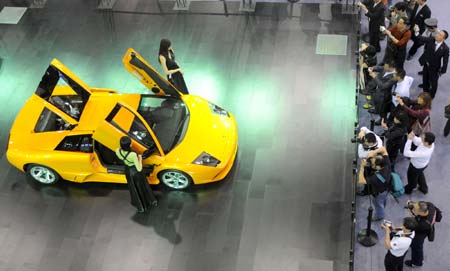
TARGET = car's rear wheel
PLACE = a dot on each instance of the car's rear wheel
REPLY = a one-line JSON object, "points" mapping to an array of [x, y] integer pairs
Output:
{"points": [[42, 174], [175, 179]]}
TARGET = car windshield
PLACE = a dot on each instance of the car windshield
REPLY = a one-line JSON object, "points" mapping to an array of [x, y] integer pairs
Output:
{"points": [[167, 116]]}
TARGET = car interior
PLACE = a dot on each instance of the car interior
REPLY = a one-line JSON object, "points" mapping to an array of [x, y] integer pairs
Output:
{"points": [[166, 120], [49, 121]]}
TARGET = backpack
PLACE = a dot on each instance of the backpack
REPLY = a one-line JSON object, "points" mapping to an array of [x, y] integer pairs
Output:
{"points": [[437, 217], [395, 185]]}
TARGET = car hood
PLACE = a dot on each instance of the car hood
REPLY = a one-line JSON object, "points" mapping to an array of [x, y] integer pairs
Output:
{"points": [[206, 132]]}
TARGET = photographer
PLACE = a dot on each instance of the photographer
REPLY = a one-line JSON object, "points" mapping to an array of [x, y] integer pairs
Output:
{"points": [[379, 165], [397, 242], [368, 141], [398, 37], [374, 10], [420, 157], [395, 133], [383, 78], [426, 214]]}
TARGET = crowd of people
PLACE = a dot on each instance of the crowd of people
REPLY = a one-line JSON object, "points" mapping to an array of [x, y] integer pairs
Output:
{"points": [[405, 121]]}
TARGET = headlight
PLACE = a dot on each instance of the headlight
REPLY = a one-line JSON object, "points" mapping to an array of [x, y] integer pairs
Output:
{"points": [[218, 110], [206, 159]]}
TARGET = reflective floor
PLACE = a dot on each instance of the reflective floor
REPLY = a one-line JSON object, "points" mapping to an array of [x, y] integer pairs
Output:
{"points": [[286, 204]]}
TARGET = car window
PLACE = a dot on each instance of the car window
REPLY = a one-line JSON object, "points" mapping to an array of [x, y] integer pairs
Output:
{"points": [[49, 121], [54, 79], [126, 121], [76, 143], [167, 117]]}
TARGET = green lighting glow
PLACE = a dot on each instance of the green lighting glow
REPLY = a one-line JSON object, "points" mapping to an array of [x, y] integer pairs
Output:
{"points": [[205, 84]]}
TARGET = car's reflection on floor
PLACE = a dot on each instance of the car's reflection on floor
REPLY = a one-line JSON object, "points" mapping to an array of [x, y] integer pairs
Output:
{"points": [[164, 219]]}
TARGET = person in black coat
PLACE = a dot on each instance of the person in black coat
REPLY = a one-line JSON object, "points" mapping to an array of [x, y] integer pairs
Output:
{"points": [[395, 134], [424, 213], [420, 13], [383, 78], [375, 12], [434, 61]]}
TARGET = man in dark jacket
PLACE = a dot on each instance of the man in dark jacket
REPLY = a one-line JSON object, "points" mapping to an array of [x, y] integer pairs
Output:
{"points": [[425, 214], [383, 78], [430, 32], [375, 12], [420, 13], [434, 61], [395, 134]]}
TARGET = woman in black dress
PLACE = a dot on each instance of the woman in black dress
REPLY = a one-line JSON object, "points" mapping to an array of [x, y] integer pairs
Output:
{"points": [[141, 194], [166, 58]]}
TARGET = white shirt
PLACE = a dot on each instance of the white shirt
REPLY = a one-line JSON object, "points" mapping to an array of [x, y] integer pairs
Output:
{"points": [[362, 153], [438, 45], [402, 88], [400, 244], [421, 156], [387, 73]]}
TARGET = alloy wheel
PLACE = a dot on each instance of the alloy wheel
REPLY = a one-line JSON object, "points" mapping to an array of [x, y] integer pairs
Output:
{"points": [[175, 179], [43, 174]]}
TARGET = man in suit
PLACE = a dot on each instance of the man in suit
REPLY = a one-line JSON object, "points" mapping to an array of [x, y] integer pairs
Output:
{"points": [[375, 12], [420, 13], [434, 61], [383, 77], [430, 31]]}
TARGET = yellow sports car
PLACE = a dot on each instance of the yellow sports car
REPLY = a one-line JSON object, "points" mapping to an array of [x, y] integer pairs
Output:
{"points": [[69, 130]]}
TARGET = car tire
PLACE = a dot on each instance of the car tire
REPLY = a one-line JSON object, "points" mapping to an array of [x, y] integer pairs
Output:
{"points": [[42, 174], [175, 179]]}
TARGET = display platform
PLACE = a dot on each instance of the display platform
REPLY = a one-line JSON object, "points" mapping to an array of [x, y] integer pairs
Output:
{"points": [[286, 203]]}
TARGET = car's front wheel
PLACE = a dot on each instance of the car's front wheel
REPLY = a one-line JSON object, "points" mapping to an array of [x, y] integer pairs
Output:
{"points": [[175, 179], [42, 174]]}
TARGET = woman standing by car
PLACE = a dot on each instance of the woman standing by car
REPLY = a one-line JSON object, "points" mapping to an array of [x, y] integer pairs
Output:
{"points": [[141, 193], [166, 58]]}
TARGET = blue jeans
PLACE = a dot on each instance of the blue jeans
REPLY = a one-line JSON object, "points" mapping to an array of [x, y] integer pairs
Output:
{"points": [[379, 202]]}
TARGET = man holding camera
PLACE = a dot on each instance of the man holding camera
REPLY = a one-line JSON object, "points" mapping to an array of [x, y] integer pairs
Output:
{"points": [[430, 32], [383, 81], [377, 165], [368, 141], [398, 36], [426, 214], [420, 158], [397, 242], [374, 10]]}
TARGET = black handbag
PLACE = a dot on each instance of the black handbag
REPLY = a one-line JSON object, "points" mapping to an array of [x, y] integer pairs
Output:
{"points": [[447, 111], [431, 234]]}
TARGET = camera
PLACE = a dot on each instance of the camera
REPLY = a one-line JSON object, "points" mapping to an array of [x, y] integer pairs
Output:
{"points": [[409, 205], [357, 140], [387, 223]]}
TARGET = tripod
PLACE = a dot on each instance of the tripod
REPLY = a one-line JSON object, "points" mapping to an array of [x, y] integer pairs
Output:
{"points": [[368, 237]]}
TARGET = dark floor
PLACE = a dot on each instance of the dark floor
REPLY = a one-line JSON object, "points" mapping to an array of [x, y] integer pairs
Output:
{"points": [[286, 205]]}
